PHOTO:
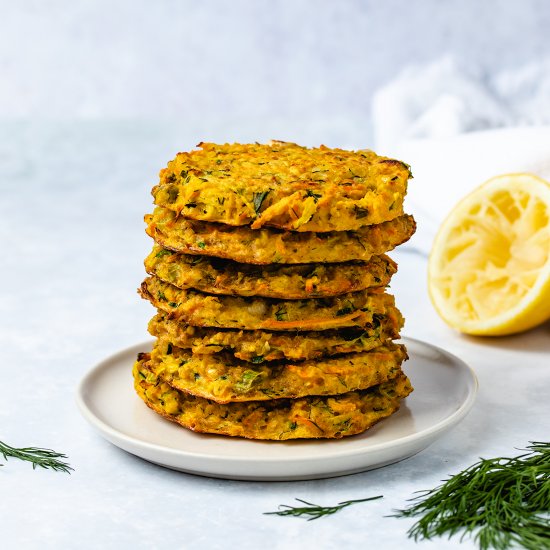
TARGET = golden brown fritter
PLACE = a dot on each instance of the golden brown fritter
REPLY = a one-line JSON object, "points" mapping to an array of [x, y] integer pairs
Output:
{"points": [[279, 419], [224, 379], [291, 282], [260, 345], [267, 246], [355, 309], [284, 185]]}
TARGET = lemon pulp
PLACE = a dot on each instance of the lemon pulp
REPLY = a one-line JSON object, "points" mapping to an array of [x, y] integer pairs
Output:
{"points": [[489, 269]]}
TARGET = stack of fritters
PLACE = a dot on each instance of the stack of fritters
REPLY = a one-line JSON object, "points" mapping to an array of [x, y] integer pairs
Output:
{"points": [[269, 274]]}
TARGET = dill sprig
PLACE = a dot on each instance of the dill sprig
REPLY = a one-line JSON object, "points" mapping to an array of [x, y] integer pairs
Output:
{"points": [[314, 511], [45, 458], [500, 501]]}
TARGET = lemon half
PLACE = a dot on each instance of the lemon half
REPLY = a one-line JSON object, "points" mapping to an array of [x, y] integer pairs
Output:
{"points": [[489, 268]]}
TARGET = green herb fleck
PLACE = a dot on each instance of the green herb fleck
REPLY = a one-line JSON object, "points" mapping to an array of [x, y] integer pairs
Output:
{"points": [[172, 193], [161, 295], [201, 244], [280, 314], [350, 308], [257, 359], [314, 511], [247, 379], [316, 196], [361, 212], [258, 200], [163, 252], [173, 304], [377, 320]]}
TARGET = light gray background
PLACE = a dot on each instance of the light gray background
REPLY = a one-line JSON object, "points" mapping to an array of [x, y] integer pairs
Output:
{"points": [[243, 69], [124, 85]]}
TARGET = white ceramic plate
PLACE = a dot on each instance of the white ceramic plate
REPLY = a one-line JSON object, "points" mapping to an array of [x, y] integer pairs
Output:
{"points": [[445, 389]]}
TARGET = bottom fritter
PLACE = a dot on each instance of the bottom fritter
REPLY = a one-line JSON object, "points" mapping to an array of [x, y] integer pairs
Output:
{"points": [[278, 419]]}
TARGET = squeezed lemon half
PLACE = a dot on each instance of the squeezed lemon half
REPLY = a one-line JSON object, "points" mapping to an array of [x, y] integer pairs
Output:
{"points": [[489, 268]]}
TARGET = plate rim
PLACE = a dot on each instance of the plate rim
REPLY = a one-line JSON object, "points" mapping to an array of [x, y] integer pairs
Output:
{"points": [[448, 422]]}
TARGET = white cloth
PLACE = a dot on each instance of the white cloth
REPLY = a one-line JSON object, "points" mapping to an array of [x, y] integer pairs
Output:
{"points": [[447, 124]]}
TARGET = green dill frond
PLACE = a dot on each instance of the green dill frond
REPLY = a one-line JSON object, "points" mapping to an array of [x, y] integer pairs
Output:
{"points": [[314, 511], [44, 458], [500, 502]]}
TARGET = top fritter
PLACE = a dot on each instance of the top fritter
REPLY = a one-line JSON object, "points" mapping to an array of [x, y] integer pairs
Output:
{"points": [[284, 185]]}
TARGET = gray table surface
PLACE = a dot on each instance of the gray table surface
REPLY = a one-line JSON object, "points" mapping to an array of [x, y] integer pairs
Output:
{"points": [[71, 203]]}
